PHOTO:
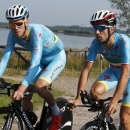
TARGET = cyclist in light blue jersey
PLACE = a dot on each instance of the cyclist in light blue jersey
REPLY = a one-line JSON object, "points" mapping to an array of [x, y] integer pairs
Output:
{"points": [[115, 48], [48, 58]]}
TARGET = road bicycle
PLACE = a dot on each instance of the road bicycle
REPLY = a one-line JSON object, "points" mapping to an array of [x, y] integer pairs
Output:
{"points": [[15, 116], [101, 121]]}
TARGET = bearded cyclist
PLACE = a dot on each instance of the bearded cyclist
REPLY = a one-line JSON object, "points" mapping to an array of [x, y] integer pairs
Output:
{"points": [[47, 61], [115, 48]]}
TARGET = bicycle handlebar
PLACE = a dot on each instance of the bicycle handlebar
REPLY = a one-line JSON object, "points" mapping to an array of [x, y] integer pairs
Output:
{"points": [[9, 86], [86, 99]]}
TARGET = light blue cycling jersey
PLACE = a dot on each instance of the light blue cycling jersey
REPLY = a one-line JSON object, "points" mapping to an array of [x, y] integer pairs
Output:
{"points": [[117, 55], [44, 46]]}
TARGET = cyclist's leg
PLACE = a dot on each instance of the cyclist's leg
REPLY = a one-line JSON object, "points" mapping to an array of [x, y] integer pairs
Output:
{"points": [[106, 81], [125, 108], [49, 74], [27, 101]]}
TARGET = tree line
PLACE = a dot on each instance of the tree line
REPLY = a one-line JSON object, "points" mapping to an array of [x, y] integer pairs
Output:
{"points": [[69, 30]]}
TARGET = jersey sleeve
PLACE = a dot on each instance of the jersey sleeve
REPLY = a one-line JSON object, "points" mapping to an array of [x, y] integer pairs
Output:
{"points": [[36, 54], [125, 46], [92, 52], [7, 53]]}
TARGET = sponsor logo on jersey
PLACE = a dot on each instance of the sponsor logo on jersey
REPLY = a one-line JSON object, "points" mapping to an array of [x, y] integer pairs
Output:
{"points": [[40, 35], [104, 50], [47, 43], [116, 48], [106, 77], [55, 70], [125, 94]]}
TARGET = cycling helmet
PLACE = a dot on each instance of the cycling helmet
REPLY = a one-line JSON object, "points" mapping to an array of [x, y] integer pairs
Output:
{"points": [[17, 12], [103, 16]]}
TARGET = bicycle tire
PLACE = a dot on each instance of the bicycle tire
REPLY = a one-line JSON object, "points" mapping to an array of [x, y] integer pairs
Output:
{"points": [[12, 122], [92, 125], [67, 116]]}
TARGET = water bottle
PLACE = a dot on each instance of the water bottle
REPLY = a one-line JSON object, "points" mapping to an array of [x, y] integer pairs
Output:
{"points": [[31, 116]]}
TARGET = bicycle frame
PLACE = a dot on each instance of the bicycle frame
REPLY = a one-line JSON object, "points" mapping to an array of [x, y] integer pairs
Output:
{"points": [[16, 112], [14, 107], [101, 120]]}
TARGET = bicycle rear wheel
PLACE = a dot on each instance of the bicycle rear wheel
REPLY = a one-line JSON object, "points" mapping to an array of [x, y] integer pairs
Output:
{"points": [[67, 115], [12, 122]]}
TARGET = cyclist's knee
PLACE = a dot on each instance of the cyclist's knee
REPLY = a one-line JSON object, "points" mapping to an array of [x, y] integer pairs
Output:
{"points": [[97, 90], [41, 85], [125, 115]]}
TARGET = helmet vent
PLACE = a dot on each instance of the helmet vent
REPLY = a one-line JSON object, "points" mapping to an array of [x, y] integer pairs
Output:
{"points": [[10, 12], [13, 12], [105, 14], [21, 11], [99, 14], [17, 11]]}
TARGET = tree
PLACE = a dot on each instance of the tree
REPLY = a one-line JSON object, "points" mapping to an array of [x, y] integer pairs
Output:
{"points": [[123, 18]]}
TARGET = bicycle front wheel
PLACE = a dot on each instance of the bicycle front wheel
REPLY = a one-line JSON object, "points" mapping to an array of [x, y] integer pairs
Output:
{"points": [[92, 125], [12, 122]]}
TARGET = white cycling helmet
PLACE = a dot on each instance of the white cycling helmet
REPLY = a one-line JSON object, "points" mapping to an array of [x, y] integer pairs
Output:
{"points": [[17, 12], [103, 16]]}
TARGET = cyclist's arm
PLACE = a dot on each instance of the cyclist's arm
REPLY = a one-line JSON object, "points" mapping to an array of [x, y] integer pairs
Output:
{"points": [[123, 80], [36, 55], [122, 83], [6, 54], [85, 72], [124, 77], [83, 78]]}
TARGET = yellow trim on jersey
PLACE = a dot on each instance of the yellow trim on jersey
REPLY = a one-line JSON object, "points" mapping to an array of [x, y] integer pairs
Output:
{"points": [[55, 38], [103, 82], [47, 80], [126, 104]]}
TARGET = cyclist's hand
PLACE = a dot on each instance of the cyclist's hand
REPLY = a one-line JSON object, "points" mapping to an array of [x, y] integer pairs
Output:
{"points": [[112, 108], [18, 94], [73, 103]]}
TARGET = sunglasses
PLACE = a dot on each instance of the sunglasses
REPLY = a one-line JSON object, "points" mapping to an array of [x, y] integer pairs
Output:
{"points": [[100, 27], [18, 24]]}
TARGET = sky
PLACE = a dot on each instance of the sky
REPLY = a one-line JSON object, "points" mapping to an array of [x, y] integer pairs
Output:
{"points": [[58, 12]]}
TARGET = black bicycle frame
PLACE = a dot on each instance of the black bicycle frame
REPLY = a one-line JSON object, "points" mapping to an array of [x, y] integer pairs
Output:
{"points": [[16, 107]]}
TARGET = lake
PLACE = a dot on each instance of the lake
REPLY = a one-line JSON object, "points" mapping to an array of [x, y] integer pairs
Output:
{"points": [[70, 41]]}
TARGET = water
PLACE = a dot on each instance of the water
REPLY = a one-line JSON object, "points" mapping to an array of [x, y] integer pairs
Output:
{"points": [[70, 41], [73, 41]]}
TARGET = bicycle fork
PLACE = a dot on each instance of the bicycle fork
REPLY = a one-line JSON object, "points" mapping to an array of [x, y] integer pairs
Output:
{"points": [[25, 119]]}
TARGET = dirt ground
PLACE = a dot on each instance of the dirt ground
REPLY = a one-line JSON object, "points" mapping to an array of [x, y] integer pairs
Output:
{"points": [[80, 115]]}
